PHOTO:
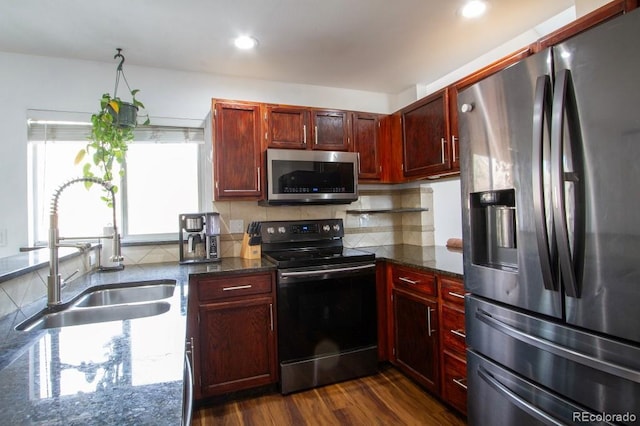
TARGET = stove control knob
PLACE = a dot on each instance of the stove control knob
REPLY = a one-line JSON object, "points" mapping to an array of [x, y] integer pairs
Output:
{"points": [[336, 227], [282, 230], [271, 230], [326, 228]]}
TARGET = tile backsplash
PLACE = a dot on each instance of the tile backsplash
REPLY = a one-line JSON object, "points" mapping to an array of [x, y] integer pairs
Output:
{"points": [[390, 215], [25, 289]]}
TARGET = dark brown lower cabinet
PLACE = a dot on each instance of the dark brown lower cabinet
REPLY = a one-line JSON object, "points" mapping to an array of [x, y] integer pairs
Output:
{"points": [[233, 332], [416, 337], [453, 339], [454, 383]]}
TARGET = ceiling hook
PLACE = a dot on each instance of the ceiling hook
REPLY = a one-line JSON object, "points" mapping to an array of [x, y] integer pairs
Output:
{"points": [[119, 55]]}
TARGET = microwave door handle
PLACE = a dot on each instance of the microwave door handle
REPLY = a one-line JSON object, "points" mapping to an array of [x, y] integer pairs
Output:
{"points": [[563, 101], [541, 106]]}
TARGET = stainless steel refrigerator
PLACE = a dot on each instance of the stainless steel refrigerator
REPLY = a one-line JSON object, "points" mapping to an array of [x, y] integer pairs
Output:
{"points": [[550, 168]]}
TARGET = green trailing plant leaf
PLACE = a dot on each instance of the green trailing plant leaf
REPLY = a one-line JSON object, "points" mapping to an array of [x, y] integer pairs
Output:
{"points": [[108, 142]]}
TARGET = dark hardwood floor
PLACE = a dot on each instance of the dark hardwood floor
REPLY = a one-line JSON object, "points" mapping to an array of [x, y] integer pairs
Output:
{"points": [[388, 398]]}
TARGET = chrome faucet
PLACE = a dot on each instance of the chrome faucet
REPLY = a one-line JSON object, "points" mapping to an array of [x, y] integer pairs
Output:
{"points": [[54, 281]]}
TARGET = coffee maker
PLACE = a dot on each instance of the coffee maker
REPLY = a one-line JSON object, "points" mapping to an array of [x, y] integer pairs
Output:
{"points": [[199, 237]]}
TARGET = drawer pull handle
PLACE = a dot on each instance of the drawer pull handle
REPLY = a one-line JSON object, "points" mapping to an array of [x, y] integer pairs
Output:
{"points": [[237, 287], [429, 330], [408, 281], [271, 315], [458, 295], [459, 333], [461, 382]]}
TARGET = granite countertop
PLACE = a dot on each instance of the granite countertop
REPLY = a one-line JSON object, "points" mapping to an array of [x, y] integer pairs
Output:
{"points": [[118, 372], [439, 259], [131, 371]]}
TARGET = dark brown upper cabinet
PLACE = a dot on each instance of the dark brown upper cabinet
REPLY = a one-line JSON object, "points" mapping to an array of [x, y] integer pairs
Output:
{"points": [[366, 141], [292, 127], [287, 127], [331, 130], [425, 136], [236, 150]]}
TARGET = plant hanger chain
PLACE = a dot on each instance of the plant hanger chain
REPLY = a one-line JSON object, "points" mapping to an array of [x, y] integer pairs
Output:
{"points": [[120, 72]]}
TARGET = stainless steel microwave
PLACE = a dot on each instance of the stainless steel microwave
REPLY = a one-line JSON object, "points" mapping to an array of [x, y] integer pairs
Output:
{"points": [[311, 177]]}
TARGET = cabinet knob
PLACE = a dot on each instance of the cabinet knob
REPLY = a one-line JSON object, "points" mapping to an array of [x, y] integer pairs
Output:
{"points": [[465, 108]]}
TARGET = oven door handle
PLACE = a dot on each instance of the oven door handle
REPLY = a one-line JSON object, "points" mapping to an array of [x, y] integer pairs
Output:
{"points": [[326, 271]]}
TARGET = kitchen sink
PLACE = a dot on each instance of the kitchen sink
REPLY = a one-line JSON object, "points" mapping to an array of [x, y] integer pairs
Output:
{"points": [[119, 302], [131, 293], [80, 316]]}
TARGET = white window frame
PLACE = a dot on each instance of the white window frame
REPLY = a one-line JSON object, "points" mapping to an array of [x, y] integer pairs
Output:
{"points": [[162, 130]]}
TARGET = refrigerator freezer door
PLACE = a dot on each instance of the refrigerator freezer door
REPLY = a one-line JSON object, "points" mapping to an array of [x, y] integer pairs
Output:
{"points": [[496, 127], [508, 399], [595, 372], [603, 66]]}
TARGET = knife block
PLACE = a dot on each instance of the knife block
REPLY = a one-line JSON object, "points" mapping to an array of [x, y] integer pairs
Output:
{"points": [[250, 252]]}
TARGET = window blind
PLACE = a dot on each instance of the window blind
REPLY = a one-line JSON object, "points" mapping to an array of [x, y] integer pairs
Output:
{"points": [[77, 127]]}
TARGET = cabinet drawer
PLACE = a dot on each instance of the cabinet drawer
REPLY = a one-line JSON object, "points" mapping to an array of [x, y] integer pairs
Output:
{"points": [[452, 291], [453, 329], [233, 286], [413, 279], [454, 389]]}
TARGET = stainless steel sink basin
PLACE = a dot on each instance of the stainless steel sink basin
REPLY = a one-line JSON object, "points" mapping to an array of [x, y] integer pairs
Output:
{"points": [[119, 302], [130, 293], [80, 316]]}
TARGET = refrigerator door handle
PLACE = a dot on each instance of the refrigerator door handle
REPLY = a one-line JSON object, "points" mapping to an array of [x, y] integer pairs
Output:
{"points": [[557, 349], [541, 123], [520, 402], [563, 103]]}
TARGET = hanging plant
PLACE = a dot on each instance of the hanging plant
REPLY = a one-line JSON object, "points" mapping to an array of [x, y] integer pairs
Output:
{"points": [[111, 131]]}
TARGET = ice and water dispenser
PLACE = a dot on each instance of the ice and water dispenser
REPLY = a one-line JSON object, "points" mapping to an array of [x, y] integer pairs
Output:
{"points": [[493, 229]]}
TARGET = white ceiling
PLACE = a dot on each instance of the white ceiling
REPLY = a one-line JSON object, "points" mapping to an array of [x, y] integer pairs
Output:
{"points": [[374, 45]]}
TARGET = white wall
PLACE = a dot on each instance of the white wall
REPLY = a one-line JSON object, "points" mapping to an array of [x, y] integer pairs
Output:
{"points": [[447, 210], [33, 82]]}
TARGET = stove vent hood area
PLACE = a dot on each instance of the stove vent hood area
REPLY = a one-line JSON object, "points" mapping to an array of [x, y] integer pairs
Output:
{"points": [[311, 177]]}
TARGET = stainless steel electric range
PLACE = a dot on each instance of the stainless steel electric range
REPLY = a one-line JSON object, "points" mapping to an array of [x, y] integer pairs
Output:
{"points": [[326, 303]]}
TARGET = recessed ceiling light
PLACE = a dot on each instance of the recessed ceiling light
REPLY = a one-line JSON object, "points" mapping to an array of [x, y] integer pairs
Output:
{"points": [[474, 9], [245, 42]]}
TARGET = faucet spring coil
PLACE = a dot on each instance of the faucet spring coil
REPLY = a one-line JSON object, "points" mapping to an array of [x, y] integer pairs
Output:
{"points": [[56, 195]]}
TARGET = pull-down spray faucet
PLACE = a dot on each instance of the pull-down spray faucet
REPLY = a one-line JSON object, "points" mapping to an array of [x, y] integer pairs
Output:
{"points": [[54, 281]]}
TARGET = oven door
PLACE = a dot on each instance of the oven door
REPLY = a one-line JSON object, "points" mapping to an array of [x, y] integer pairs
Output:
{"points": [[327, 328]]}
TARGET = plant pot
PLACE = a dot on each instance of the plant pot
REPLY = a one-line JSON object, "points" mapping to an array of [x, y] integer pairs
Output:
{"points": [[127, 115]]}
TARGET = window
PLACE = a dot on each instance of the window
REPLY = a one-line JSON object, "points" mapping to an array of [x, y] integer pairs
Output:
{"points": [[161, 183], [163, 178]]}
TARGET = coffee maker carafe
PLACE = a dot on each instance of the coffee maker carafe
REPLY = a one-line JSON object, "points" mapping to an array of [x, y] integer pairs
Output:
{"points": [[199, 237]]}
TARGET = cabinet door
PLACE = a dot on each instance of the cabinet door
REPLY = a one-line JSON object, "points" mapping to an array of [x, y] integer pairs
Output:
{"points": [[425, 137], [416, 338], [330, 130], [237, 154], [236, 345], [288, 127], [454, 141], [366, 142]]}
